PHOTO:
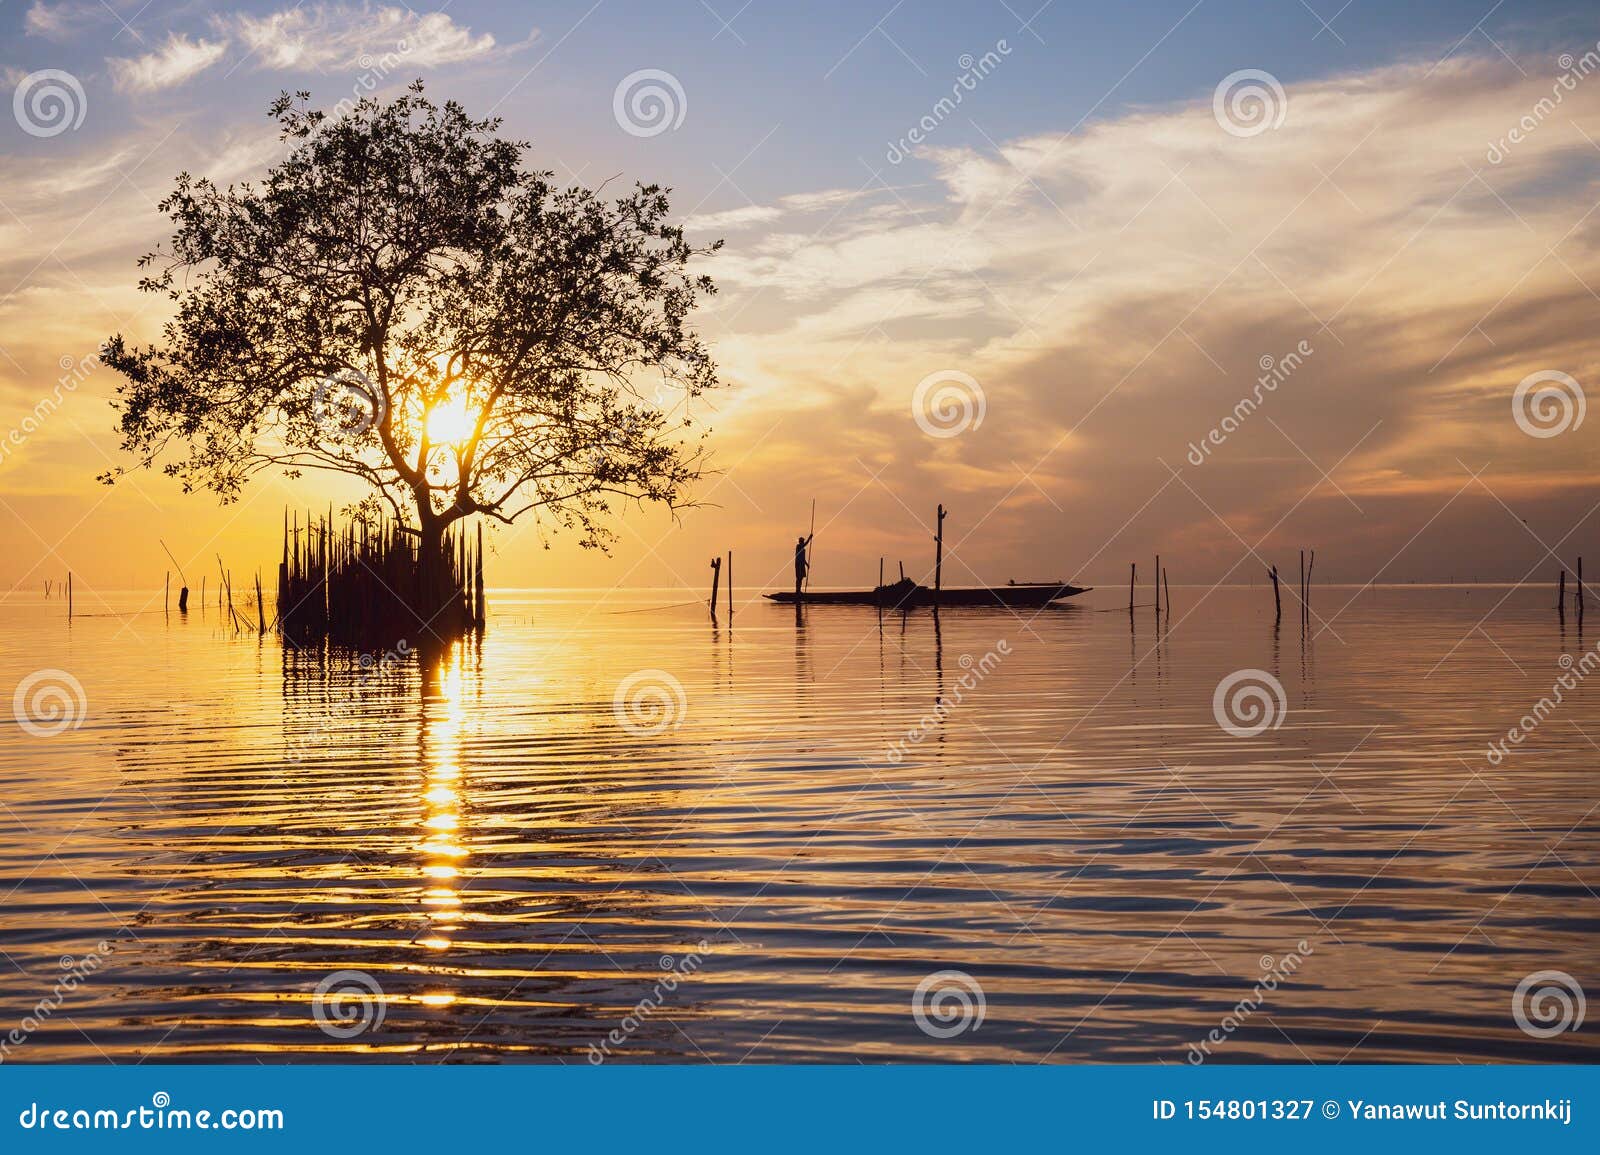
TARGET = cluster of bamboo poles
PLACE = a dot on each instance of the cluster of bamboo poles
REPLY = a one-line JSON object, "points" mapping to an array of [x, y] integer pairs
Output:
{"points": [[1306, 566], [364, 581], [1159, 585]]}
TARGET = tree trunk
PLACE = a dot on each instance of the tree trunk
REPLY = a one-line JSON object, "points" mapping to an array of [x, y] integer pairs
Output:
{"points": [[433, 580]]}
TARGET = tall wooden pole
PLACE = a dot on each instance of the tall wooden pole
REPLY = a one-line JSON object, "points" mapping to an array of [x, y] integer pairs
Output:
{"points": [[1155, 585], [716, 574], [1309, 567], [1302, 585], [1277, 598], [1168, 586], [938, 559], [1133, 574]]}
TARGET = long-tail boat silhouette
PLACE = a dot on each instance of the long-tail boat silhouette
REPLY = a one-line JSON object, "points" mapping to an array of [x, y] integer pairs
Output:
{"points": [[907, 594]]}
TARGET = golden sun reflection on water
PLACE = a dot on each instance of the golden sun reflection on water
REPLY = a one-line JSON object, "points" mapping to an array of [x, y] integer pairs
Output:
{"points": [[518, 870]]}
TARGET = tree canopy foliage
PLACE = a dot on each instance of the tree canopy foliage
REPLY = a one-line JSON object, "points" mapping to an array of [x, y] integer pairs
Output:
{"points": [[402, 300]]}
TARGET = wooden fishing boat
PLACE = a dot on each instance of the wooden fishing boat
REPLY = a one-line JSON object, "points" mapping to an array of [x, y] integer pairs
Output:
{"points": [[907, 594]]}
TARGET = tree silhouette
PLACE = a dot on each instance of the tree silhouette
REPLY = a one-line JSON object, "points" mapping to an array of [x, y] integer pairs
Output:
{"points": [[400, 300]]}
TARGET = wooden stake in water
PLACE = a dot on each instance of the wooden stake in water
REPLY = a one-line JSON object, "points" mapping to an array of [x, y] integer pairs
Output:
{"points": [[1277, 598], [730, 587], [1133, 574], [1155, 585], [716, 576], [69, 595], [1168, 585], [938, 559]]}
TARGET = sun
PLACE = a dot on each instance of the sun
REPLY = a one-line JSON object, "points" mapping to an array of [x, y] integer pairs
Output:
{"points": [[450, 423]]}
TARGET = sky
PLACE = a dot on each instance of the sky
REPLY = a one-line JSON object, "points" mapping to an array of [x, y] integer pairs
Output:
{"points": [[1219, 281]]}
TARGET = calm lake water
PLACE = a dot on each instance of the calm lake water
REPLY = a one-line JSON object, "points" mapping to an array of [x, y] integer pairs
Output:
{"points": [[780, 835]]}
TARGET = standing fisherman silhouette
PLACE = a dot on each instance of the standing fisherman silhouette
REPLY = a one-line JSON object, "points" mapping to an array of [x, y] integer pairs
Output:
{"points": [[801, 568]]}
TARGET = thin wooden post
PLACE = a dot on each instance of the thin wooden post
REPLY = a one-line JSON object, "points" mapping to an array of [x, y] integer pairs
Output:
{"points": [[1155, 585], [261, 606], [1277, 598], [716, 577], [1168, 586], [1306, 604], [69, 595], [1302, 585], [938, 559], [730, 586], [1133, 574]]}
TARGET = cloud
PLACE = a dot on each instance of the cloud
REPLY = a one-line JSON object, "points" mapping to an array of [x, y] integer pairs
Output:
{"points": [[175, 62], [321, 36], [62, 21], [1116, 289]]}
